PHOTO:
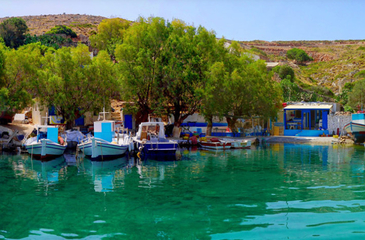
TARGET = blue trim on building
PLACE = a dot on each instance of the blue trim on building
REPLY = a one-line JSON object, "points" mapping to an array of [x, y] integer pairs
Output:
{"points": [[305, 133]]}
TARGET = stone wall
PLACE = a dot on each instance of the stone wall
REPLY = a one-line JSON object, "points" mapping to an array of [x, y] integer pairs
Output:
{"points": [[338, 120]]}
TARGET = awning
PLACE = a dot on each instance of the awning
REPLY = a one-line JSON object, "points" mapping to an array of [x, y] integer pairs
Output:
{"points": [[309, 107]]}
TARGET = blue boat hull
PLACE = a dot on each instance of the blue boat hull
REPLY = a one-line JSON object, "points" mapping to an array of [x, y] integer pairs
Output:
{"points": [[162, 149]]}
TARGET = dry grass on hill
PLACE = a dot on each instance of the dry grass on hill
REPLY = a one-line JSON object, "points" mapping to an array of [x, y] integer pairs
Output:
{"points": [[80, 23]]}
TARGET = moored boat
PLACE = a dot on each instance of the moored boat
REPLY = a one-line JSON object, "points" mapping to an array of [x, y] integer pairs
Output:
{"points": [[47, 144], [356, 128], [150, 139], [105, 144], [214, 143], [238, 144]]}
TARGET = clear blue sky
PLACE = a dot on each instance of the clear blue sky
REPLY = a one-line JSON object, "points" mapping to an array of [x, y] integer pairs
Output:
{"points": [[234, 19]]}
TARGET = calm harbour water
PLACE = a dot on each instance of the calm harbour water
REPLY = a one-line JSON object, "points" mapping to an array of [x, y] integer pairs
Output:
{"points": [[278, 191]]}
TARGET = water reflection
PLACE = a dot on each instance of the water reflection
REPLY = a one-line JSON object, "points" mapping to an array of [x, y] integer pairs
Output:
{"points": [[47, 172], [106, 173], [279, 191]]}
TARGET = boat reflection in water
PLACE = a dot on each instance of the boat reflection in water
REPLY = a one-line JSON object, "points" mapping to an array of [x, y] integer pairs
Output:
{"points": [[107, 175], [46, 171]]}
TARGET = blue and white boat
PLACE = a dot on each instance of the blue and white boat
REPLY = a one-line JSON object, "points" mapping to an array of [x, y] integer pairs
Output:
{"points": [[46, 145], [150, 139], [356, 128], [106, 143]]}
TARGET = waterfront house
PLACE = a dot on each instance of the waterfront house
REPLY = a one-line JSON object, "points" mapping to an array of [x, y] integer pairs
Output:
{"points": [[308, 119]]}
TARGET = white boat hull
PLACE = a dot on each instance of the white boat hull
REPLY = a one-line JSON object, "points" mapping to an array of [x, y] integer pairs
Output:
{"points": [[45, 149], [215, 145], [98, 149], [357, 131]]}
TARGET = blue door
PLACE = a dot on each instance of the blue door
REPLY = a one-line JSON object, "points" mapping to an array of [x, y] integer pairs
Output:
{"points": [[325, 120], [128, 121]]}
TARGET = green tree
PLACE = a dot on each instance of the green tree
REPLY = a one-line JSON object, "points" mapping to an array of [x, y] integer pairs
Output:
{"points": [[139, 61], [343, 97], [110, 34], [53, 41], [291, 91], [242, 88], [286, 72], [357, 97], [186, 58], [13, 31], [74, 83], [299, 55], [62, 29], [18, 71]]}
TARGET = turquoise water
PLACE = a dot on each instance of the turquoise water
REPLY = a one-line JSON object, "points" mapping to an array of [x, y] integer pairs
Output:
{"points": [[272, 192]]}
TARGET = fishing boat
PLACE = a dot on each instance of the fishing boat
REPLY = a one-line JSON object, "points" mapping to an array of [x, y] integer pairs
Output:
{"points": [[215, 144], [150, 139], [46, 145], [106, 143], [356, 128]]}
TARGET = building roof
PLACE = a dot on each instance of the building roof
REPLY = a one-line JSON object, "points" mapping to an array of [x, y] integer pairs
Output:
{"points": [[309, 106]]}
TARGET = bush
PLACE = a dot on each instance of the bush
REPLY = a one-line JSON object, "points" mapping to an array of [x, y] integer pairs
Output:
{"points": [[61, 29], [360, 74], [322, 91], [46, 40], [299, 55], [286, 72]]}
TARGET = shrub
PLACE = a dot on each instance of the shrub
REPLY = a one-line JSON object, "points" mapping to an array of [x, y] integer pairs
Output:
{"points": [[61, 29], [286, 72], [299, 55], [360, 74]]}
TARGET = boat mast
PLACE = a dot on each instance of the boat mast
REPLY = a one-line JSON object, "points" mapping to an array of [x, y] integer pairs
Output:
{"points": [[46, 119]]}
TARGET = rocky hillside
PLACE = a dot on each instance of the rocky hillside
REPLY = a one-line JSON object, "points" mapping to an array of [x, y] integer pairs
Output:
{"points": [[82, 24], [334, 62]]}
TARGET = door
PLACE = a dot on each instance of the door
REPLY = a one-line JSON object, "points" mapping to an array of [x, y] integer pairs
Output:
{"points": [[325, 120], [128, 121]]}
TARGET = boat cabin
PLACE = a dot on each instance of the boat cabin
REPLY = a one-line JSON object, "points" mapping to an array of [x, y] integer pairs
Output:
{"points": [[104, 130], [306, 119], [47, 132], [148, 129]]}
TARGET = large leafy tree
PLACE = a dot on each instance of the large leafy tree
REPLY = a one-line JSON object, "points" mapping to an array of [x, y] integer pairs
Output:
{"points": [[110, 34], [74, 83], [139, 62], [187, 55], [13, 32], [18, 71], [240, 87]]}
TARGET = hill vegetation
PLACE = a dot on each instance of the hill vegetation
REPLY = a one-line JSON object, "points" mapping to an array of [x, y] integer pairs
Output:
{"points": [[79, 23]]}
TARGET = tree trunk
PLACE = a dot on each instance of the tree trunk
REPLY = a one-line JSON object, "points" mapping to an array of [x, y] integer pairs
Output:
{"points": [[69, 124], [176, 130], [142, 116], [209, 126], [232, 123]]}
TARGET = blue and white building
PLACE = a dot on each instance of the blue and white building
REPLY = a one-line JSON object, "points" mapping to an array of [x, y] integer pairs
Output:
{"points": [[308, 119]]}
